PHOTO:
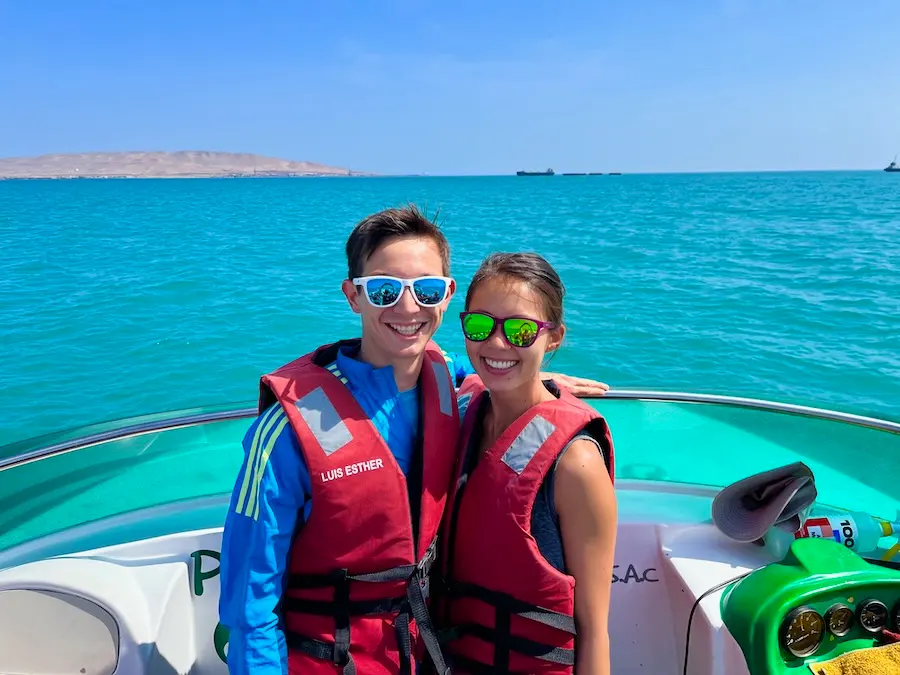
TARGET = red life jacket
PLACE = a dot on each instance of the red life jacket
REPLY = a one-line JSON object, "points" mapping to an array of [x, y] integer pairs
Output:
{"points": [[355, 596], [506, 609]]}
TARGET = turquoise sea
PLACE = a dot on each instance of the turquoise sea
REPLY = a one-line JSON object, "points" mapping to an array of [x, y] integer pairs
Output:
{"points": [[122, 297]]}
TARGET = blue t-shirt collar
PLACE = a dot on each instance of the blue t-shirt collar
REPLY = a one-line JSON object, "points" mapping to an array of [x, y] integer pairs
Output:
{"points": [[360, 372]]}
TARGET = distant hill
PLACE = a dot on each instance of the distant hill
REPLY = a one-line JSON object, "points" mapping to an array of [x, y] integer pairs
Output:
{"points": [[183, 164]]}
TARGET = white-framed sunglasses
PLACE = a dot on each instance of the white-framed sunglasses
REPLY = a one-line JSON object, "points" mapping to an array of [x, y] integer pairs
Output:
{"points": [[384, 291]]}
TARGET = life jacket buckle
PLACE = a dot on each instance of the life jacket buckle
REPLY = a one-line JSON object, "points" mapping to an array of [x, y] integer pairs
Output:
{"points": [[423, 567]]}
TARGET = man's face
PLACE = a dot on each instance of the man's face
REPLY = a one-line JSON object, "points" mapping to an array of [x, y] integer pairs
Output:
{"points": [[402, 331]]}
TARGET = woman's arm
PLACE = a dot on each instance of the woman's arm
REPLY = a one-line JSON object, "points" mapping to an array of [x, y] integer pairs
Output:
{"points": [[586, 504]]}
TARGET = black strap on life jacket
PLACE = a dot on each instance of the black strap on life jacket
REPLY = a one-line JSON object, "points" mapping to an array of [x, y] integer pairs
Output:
{"points": [[500, 637], [411, 606]]}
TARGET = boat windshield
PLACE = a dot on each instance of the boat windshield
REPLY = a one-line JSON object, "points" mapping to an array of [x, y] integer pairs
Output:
{"points": [[183, 465]]}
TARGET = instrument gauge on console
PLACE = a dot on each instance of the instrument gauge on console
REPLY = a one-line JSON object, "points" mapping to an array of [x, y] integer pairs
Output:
{"points": [[873, 615], [839, 619], [802, 631]]}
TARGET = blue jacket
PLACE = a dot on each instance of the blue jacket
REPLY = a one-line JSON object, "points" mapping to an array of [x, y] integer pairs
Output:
{"points": [[272, 489]]}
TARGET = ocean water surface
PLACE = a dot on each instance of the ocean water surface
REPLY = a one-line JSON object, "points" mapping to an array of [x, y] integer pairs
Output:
{"points": [[123, 297]]}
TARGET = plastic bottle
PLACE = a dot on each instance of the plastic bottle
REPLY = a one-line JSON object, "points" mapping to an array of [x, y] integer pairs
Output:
{"points": [[858, 531]]}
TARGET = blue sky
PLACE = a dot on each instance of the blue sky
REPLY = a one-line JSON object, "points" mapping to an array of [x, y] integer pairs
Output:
{"points": [[463, 87]]}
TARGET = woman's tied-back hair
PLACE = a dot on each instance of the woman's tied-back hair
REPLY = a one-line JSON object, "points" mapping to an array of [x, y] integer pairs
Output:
{"points": [[374, 230], [529, 268]]}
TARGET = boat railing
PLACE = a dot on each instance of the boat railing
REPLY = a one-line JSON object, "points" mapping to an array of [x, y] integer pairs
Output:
{"points": [[756, 404], [176, 422]]}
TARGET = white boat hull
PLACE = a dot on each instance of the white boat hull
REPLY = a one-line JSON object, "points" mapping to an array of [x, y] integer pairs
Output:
{"points": [[156, 601]]}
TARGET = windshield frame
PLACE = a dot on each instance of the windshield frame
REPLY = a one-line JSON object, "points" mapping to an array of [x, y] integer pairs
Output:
{"points": [[179, 419]]}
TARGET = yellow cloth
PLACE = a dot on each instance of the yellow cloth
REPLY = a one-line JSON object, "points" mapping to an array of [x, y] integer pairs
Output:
{"points": [[873, 661]]}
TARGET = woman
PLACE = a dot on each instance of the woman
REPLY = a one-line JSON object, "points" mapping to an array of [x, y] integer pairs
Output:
{"points": [[531, 531]]}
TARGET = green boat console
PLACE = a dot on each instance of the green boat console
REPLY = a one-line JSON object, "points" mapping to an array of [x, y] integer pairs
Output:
{"points": [[821, 601]]}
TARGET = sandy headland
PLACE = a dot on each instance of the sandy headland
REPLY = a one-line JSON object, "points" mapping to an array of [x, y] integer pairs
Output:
{"points": [[182, 164]]}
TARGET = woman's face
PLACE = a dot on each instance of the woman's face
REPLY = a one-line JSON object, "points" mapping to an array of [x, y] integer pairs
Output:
{"points": [[501, 366]]}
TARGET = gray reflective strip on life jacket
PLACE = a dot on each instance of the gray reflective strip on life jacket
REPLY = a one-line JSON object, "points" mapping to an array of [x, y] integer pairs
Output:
{"points": [[527, 443], [443, 385], [323, 420]]}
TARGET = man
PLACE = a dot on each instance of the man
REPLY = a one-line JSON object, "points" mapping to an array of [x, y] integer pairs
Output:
{"points": [[366, 429]]}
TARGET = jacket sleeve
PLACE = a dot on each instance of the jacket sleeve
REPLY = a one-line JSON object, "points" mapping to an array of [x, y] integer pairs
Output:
{"points": [[271, 489]]}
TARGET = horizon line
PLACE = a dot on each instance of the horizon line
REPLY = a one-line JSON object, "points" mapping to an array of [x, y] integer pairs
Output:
{"points": [[361, 173], [369, 175]]}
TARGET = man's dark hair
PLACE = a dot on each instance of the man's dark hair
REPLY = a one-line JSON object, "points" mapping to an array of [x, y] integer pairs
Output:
{"points": [[374, 230]]}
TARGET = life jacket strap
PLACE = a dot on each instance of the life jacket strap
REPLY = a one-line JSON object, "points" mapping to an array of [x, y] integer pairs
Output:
{"points": [[400, 573], [322, 650], [472, 667], [417, 594], [351, 608], [412, 606], [500, 636], [338, 652]]}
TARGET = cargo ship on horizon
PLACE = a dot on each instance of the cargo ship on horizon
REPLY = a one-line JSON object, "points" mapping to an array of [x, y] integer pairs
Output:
{"points": [[548, 172]]}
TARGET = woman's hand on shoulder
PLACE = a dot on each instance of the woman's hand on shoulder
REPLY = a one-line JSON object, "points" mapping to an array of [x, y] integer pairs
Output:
{"points": [[586, 504]]}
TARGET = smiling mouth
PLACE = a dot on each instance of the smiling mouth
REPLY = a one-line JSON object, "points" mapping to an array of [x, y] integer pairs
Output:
{"points": [[498, 365], [406, 329]]}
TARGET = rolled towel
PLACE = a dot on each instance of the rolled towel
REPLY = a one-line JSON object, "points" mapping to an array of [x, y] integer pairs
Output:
{"points": [[871, 661]]}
